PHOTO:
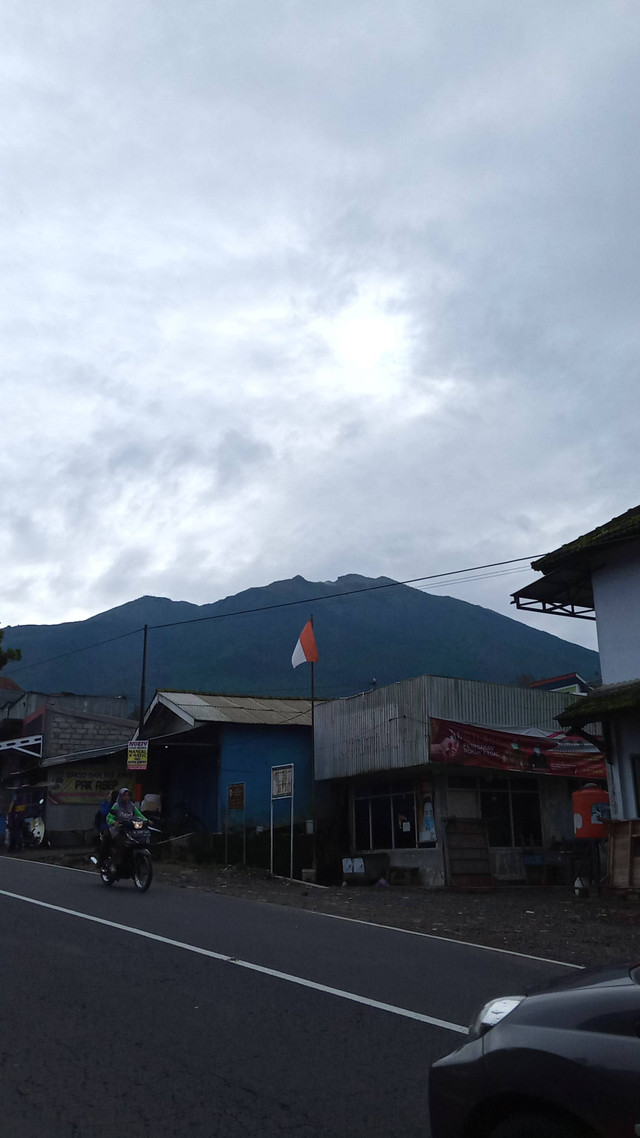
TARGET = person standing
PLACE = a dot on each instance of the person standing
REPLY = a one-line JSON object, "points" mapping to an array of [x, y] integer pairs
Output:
{"points": [[16, 822]]}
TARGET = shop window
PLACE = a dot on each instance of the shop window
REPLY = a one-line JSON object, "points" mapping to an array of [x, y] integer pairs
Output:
{"points": [[510, 807], [381, 832], [495, 809], [404, 821], [362, 823], [527, 827], [384, 816], [463, 803]]}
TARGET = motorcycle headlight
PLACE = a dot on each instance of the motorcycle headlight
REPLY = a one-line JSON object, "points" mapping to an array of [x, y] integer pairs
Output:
{"points": [[492, 1013]]}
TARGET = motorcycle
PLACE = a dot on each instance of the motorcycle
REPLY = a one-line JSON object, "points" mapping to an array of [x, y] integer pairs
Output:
{"points": [[34, 833], [128, 856]]}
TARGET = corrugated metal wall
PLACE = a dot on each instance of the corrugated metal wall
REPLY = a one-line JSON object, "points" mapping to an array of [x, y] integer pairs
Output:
{"points": [[387, 729]]}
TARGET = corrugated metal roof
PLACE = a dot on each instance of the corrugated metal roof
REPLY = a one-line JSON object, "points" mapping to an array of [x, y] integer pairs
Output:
{"points": [[213, 708], [79, 756], [387, 729]]}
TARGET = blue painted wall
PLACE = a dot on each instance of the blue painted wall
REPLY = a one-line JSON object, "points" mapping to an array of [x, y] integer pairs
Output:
{"points": [[247, 754], [194, 783]]}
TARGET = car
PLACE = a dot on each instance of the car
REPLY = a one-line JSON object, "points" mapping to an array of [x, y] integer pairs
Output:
{"points": [[561, 1062]]}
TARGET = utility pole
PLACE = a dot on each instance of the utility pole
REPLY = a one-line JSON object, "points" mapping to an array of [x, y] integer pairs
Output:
{"points": [[143, 683]]}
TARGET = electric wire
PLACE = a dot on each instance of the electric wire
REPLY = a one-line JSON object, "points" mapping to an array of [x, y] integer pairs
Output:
{"points": [[442, 578]]}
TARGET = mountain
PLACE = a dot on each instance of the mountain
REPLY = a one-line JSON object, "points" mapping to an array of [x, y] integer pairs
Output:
{"points": [[386, 634]]}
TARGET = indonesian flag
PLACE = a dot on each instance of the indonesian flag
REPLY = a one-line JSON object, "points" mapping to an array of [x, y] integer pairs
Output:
{"points": [[306, 650]]}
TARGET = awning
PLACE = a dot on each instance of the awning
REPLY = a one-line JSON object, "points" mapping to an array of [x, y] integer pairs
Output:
{"points": [[567, 592], [80, 756]]}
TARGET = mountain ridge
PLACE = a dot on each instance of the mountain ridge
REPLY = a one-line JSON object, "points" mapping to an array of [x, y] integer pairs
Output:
{"points": [[380, 630]]}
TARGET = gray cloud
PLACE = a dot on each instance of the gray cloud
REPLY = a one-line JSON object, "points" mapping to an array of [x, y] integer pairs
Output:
{"points": [[312, 289]]}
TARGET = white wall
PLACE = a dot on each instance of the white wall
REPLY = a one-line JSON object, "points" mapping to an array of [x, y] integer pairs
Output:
{"points": [[623, 740], [616, 594]]}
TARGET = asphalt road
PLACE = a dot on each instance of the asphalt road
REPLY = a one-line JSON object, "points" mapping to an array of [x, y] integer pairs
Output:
{"points": [[160, 1014]]}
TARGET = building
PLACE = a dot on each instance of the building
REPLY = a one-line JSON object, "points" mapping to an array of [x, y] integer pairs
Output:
{"points": [[597, 577], [38, 730], [569, 682], [203, 746], [416, 759]]}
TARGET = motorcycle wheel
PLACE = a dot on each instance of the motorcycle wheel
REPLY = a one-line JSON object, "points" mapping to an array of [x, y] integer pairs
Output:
{"points": [[142, 870], [107, 872]]}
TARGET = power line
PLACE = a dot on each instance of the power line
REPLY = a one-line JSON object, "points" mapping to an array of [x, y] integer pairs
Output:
{"points": [[479, 577], [335, 596], [74, 651], [279, 605]]}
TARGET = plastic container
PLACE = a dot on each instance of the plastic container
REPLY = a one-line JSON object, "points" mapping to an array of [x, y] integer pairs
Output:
{"points": [[590, 811]]}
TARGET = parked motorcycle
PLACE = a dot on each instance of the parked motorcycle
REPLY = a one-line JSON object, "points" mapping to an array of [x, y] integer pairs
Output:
{"points": [[129, 857], [34, 832]]}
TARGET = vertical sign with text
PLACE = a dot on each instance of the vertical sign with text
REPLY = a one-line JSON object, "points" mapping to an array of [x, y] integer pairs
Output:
{"points": [[137, 755]]}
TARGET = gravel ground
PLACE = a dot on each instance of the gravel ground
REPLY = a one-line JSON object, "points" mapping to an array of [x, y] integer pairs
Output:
{"points": [[548, 922]]}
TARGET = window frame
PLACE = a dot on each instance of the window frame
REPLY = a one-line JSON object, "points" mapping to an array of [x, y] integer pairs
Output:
{"points": [[390, 789], [513, 786]]}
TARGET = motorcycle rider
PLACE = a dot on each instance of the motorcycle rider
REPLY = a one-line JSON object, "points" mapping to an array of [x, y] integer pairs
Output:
{"points": [[125, 810]]}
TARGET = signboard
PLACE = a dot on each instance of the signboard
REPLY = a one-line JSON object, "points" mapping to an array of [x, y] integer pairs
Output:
{"points": [[72, 786], [137, 755], [464, 744], [282, 781], [235, 796], [282, 787]]}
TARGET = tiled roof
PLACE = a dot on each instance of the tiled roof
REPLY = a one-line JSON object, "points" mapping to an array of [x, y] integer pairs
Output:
{"points": [[8, 685], [622, 528], [606, 700]]}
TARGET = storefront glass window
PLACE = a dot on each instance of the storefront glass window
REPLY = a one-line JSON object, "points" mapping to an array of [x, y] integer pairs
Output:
{"points": [[404, 821], [381, 832], [511, 807], [384, 816], [362, 824], [494, 809], [527, 830]]}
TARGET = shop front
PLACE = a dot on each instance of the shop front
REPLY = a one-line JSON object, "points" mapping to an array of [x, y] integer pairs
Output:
{"points": [[420, 784]]}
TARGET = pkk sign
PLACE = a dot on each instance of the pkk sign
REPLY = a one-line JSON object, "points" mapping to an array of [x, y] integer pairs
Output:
{"points": [[74, 787], [464, 744], [137, 755]]}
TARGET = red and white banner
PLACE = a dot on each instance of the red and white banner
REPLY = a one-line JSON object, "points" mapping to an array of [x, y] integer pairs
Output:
{"points": [[464, 744], [306, 650]]}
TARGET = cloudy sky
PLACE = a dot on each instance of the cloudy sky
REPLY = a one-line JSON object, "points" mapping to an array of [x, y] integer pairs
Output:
{"points": [[317, 288]]}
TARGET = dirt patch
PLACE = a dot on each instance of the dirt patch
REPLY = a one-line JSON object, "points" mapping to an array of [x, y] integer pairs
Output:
{"points": [[548, 922]]}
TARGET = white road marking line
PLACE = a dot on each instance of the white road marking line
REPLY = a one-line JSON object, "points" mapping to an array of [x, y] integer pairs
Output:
{"points": [[300, 980], [359, 921], [54, 865], [446, 939]]}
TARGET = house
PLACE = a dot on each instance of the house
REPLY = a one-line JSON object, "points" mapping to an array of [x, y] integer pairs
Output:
{"points": [[212, 759], [597, 577], [41, 737], [203, 743], [432, 758], [569, 682]]}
